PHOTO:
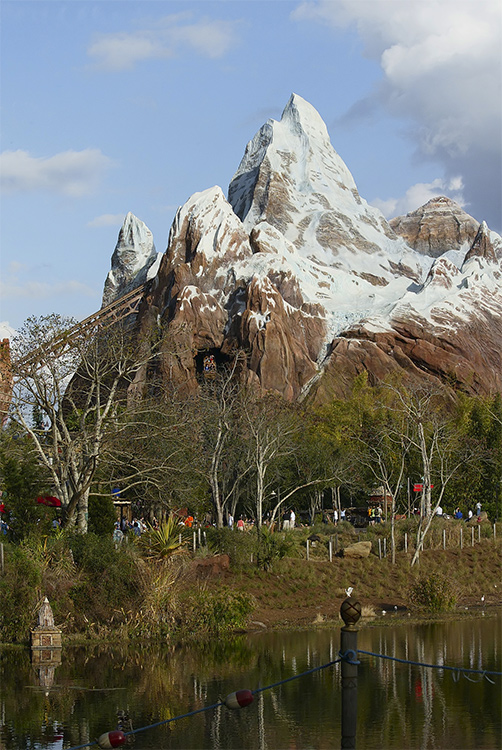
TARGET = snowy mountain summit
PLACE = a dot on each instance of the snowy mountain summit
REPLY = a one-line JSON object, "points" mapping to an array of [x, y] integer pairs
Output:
{"points": [[298, 271], [132, 259]]}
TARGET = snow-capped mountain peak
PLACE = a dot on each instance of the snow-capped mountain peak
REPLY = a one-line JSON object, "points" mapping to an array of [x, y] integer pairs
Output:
{"points": [[132, 260], [301, 273]]}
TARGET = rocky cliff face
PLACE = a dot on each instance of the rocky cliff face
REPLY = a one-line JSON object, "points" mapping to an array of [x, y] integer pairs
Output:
{"points": [[296, 270], [5, 380]]}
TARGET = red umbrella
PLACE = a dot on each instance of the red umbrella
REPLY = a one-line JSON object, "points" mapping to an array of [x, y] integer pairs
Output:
{"points": [[54, 502]]}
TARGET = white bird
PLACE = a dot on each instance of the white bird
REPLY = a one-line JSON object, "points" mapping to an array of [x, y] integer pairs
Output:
{"points": [[483, 598], [384, 611], [349, 591], [395, 607]]}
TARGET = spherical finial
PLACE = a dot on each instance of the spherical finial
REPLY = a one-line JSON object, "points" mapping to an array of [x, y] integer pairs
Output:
{"points": [[350, 611]]}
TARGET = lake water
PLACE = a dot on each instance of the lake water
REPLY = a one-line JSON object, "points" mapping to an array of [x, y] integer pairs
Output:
{"points": [[399, 706]]}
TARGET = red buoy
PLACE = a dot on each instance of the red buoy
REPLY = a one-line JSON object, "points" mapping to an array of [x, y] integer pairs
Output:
{"points": [[239, 699], [111, 739]]}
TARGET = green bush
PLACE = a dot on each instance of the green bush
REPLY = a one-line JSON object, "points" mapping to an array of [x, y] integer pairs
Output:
{"points": [[19, 595], [239, 546], [102, 516], [213, 613], [108, 577], [433, 593], [271, 547]]}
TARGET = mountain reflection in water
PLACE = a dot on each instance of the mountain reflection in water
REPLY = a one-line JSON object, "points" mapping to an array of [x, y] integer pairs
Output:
{"points": [[399, 706]]}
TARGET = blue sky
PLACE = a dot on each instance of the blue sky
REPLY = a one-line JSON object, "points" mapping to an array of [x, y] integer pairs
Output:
{"points": [[111, 106]]}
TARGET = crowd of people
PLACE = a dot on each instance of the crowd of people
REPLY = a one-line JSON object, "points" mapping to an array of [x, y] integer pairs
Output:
{"points": [[136, 526], [459, 516], [285, 522]]}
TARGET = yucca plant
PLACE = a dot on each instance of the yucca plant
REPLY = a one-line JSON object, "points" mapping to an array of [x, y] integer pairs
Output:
{"points": [[163, 542]]}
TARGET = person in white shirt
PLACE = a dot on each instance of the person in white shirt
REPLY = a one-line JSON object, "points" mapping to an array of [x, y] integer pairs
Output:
{"points": [[292, 519]]}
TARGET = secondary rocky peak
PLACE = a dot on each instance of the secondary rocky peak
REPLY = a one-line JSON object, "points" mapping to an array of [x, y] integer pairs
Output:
{"points": [[482, 246], [436, 227], [132, 258]]}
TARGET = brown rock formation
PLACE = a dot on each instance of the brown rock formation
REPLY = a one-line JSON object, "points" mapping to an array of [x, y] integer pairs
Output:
{"points": [[439, 225], [5, 379], [467, 358]]}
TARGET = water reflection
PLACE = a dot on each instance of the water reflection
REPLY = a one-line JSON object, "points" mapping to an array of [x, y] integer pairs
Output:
{"points": [[401, 706]]}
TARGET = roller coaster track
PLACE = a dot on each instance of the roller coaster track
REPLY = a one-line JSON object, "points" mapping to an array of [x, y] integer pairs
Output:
{"points": [[117, 310]]}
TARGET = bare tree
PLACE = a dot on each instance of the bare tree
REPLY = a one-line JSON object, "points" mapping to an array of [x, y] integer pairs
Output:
{"points": [[216, 431], [77, 381], [425, 424]]}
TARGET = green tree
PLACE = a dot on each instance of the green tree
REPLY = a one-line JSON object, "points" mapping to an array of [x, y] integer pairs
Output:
{"points": [[22, 482], [102, 516]]}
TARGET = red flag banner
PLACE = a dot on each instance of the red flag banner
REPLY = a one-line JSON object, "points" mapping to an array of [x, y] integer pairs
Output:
{"points": [[53, 502]]}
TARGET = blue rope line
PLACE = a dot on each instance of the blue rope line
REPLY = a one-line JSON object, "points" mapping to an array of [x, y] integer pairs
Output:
{"points": [[296, 676], [175, 718], [457, 670], [347, 656], [220, 703]]}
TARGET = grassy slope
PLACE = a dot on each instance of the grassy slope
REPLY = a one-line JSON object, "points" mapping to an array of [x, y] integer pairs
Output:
{"points": [[300, 592]]}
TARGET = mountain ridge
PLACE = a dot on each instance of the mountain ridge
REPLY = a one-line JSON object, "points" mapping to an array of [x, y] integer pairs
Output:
{"points": [[294, 267]]}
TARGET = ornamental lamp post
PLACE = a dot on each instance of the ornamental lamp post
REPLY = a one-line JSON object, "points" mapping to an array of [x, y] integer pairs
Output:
{"points": [[350, 612]]}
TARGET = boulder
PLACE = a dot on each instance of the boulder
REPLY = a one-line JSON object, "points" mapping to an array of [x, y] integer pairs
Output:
{"points": [[212, 566], [357, 550]]}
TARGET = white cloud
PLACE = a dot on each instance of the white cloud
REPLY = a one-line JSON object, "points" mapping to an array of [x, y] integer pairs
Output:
{"points": [[39, 290], [6, 330], [73, 173], [441, 64], [168, 38], [107, 220], [419, 194]]}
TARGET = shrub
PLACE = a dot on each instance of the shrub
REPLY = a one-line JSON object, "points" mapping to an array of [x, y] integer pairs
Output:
{"points": [[108, 577], [102, 515], [271, 547], [161, 543], [433, 593], [19, 595], [240, 547], [212, 613]]}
